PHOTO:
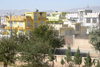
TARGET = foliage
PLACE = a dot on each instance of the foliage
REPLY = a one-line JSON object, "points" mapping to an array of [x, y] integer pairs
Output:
{"points": [[95, 39], [68, 55], [88, 61], [62, 62], [48, 34], [8, 50], [33, 51], [98, 64], [77, 57], [55, 22], [51, 56]]}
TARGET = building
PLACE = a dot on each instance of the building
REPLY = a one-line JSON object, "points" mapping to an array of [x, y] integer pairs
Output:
{"points": [[87, 18], [70, 28], [25, 24], [56, 17], [62, 25]]}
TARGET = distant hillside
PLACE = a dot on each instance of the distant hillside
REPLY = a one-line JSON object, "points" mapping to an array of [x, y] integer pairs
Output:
{"points": [[14, 12], [95, 9], [22, 12]]}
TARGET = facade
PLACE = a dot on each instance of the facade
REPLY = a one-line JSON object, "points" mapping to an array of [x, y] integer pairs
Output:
{"points": [[65, 26], [25, 24], [2, 20], [70, 28], [56, 17], [87, 18]]}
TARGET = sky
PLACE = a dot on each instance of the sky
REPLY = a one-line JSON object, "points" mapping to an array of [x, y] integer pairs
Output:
{"points": [[47, 4]]}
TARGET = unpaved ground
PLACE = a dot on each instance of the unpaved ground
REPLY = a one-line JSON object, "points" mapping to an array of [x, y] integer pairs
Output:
{"points": [[84, 46], [58, 62]]}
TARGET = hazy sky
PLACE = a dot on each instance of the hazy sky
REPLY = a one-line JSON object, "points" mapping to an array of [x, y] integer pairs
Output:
{"points": [[47, 4]]}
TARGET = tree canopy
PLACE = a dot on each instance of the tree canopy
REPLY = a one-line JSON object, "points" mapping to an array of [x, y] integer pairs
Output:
{"points": [[94, 37], [8, 50]]}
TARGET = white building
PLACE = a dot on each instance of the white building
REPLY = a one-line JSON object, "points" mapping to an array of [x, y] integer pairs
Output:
{"points": [[87, 18], [2, 20]]}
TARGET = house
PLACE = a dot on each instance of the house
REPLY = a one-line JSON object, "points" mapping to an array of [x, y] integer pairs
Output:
{"points": [[87, 18], [25, 24]]}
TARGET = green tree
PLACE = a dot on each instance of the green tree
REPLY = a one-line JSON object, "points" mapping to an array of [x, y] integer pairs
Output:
{"points": [[94, 37], [36, 46], [51, 57], [68, 57], [88, 61], [77, 57], [33, 50], [62, 62], [98, 64], [8, 50], [48, 33]]}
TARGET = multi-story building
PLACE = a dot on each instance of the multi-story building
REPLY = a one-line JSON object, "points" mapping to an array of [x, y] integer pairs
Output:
{"points": [[87, 18], [56, 17], [24, 24]]}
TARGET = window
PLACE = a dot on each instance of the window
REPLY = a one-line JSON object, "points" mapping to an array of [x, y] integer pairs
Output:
{"points": [[28, 24], [94, 20], [35, 17], [10, 24], [77, 27], [88, 20], [15, 22], [21, 32], [20, 24], [41, 22], [35, 24], [68, 32]]}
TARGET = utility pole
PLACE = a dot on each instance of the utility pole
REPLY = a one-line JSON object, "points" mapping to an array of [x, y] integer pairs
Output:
{"points": [[99, 21], [10, 22]]}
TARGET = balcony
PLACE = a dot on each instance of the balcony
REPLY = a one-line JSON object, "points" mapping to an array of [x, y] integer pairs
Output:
{"points": [[20, 28], [42, 18]]}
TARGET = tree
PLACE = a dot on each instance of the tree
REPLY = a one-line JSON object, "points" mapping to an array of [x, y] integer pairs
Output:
{"points": [[98, 64], [33, 50], [68, 55], [8, 50], [48, 33], [51, 57], [77, 57], [36, 46], [88, 61], [94, 37], [62, 62]]}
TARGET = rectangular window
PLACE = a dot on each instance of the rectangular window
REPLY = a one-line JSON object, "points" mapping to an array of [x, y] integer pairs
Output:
{"points": [[35, 24], [94, 20], [15, 22], [77, 27], [68, 32], [20, 24], [88, 20], [41, 22], [10, 24], [28, 23], [35, 16], [21, 32]]}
